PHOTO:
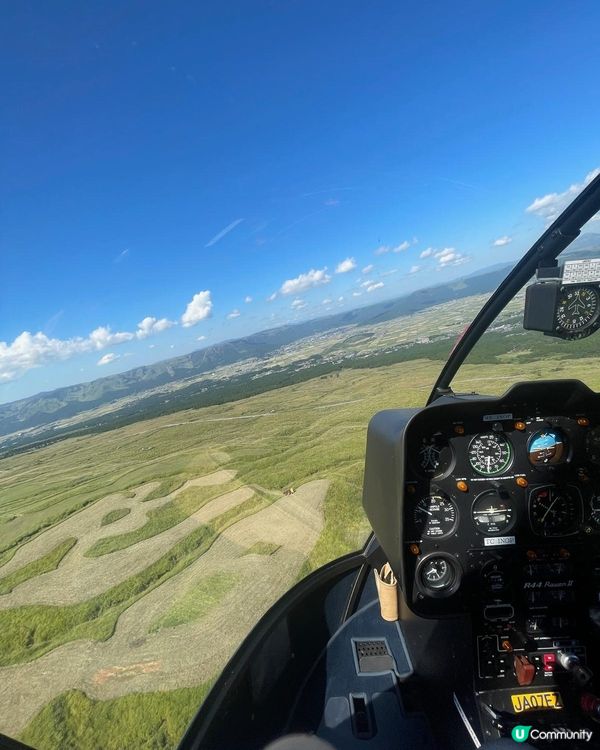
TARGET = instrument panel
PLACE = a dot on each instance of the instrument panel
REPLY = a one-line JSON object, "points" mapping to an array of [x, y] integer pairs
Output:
{"points": [[498, 480]]}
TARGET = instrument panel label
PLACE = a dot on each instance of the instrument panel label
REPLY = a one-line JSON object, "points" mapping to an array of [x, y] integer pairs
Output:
{"points": [[497, 417], [498, 541]]}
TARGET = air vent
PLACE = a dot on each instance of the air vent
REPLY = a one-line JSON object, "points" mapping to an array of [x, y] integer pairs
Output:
{"points": [[373, 656]]}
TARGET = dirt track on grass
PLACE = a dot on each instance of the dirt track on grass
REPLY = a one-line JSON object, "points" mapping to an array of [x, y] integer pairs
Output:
{"points": [[135, 659]]}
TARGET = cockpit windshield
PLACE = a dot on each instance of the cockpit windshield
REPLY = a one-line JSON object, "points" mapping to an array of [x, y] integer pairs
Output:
{"points": [[547, 330]]}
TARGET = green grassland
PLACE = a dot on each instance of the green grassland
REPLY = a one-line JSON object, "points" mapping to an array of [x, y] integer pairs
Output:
{"points": [[197, 601], [49, 561], [310, 430], [75, 722], [115, 515], [30, 631], [161, 519]]}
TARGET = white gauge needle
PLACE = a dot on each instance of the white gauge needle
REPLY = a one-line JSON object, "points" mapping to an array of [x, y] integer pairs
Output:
{"points": [[549, 509]]}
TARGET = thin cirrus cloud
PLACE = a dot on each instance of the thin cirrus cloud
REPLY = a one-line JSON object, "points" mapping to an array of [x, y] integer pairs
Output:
{"points": [[223, 233], [502, 241], [233, 314], [349, 264], [549, 206], [368, 269]]}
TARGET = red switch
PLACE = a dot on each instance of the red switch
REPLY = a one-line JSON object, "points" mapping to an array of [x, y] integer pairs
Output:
{"points": [[524, 670], [549, 661]]}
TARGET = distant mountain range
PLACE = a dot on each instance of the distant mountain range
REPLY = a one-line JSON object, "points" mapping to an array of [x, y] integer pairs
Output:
{"points": [[70, 401]]}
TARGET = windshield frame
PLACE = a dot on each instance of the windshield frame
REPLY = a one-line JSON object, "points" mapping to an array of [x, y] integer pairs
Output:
{"points": [[543, 253]]}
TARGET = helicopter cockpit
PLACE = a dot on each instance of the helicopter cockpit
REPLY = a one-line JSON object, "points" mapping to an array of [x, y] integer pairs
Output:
{"points": [[486, 509]]}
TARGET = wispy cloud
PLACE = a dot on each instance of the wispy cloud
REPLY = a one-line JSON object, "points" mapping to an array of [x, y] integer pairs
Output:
{"points": [[298, 304], [368, 269], [400, 248], [107, 359], [248, 299], [233, 314], [376, 285], [121, 256], [502, 241], [224, 232], [549, 206], [428, 252], [414, 269], [349, 264]]}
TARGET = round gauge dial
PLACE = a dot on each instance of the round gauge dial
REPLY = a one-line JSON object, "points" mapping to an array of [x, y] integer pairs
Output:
{"points": [[554, 511], [437, 574], [577, 308], [546, 447], [435, 516], [592, 445], [493, 512], [434, 456], [490, 454]]}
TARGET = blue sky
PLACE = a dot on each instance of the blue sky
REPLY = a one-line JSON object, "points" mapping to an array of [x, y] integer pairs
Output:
{"points": [[162, 163]]}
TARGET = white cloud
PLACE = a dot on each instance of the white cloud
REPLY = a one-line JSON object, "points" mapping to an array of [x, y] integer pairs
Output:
{"points": [[271, 297], [305, 281], [450, 257], [428, 252], [340, 299], [151, 346], [106, 359], [502, 241], [414, 269], [149, 326], [198, 309], [223, 232], [298, 304], [550, 206], [357, 294], [349, 264], [234, 314], [401, 247], [122, 255], [382, 250], [368, 269], [374, 286], [248, 299], [102, 337], [201, 338], [327, 301]]}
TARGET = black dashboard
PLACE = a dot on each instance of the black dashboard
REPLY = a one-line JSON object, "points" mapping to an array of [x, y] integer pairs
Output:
{"points": [[490, 508], [484, 480]]}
